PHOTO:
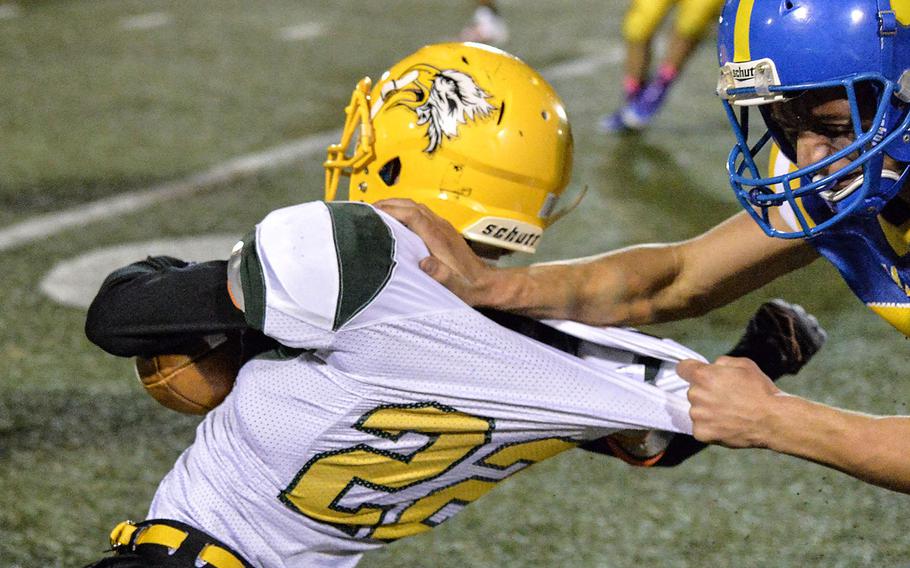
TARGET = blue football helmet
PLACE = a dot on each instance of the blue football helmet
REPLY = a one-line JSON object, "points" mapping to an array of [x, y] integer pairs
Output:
{"points": [[772, 51]]}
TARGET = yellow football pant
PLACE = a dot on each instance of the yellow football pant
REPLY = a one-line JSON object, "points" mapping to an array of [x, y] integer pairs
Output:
{"points": [[693, 18]]}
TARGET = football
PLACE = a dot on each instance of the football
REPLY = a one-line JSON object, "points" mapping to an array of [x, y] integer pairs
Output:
{"points": [[193, 383]]}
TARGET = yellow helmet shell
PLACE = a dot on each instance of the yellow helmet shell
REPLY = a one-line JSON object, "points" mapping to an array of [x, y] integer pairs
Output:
{"points": [[468, 130]]}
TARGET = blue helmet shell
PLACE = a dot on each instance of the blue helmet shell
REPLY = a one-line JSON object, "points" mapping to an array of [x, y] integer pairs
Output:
{"points": [[770, 50]]}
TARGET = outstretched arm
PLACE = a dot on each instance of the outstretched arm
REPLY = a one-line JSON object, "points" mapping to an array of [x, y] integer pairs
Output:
{"points": [[632, 286], [736, 405], [161, 305]]}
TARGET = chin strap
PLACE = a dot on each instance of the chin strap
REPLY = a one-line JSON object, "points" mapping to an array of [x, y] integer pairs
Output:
{"points": [[563, 211], [835, 196], [890, 184]]}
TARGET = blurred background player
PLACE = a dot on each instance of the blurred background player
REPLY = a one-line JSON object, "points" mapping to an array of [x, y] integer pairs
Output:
{"points": [[487, 25], [645, 94]]}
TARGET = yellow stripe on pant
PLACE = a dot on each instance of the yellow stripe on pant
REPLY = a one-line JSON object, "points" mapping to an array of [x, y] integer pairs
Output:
{"points": [[129, 536], [693, 18]]}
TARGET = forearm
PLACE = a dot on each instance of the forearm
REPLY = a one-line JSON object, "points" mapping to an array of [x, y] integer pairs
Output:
{"points": [[161, 305], [631, 286], [649, 283], [875, 449]]}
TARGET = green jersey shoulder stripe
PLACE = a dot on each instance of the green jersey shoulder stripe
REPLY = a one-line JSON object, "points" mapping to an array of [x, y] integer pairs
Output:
{"points": [[365, 249], [252, 282]]}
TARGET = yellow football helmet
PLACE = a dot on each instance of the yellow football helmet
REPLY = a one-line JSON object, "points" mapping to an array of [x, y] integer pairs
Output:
{"points": [[468, 130]]}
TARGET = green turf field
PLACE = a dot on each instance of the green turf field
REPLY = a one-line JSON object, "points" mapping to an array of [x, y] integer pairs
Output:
{"points": [[95, 101]]}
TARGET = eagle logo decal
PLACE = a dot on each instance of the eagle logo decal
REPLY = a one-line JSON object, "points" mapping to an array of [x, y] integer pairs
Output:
{"points": [[443, 99]]}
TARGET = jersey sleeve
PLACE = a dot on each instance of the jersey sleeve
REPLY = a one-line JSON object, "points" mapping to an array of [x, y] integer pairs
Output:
{"points": [[653, 359], [309, 271], [161, 305]]}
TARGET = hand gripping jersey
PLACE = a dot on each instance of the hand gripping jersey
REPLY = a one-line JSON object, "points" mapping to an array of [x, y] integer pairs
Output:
{"points": [[870, 252], [392, 405]]}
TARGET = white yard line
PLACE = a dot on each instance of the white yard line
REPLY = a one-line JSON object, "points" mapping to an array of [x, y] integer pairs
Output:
{"points": [[43, 226], [584, 66], [145, 21], [75, 281], [301, 32]]}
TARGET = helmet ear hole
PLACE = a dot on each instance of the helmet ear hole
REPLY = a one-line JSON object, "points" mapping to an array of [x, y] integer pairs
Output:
{"points": [[390, 171]]}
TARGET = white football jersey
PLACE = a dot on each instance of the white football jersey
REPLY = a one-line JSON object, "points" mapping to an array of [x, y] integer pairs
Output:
{"points": [[393, 404]]}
